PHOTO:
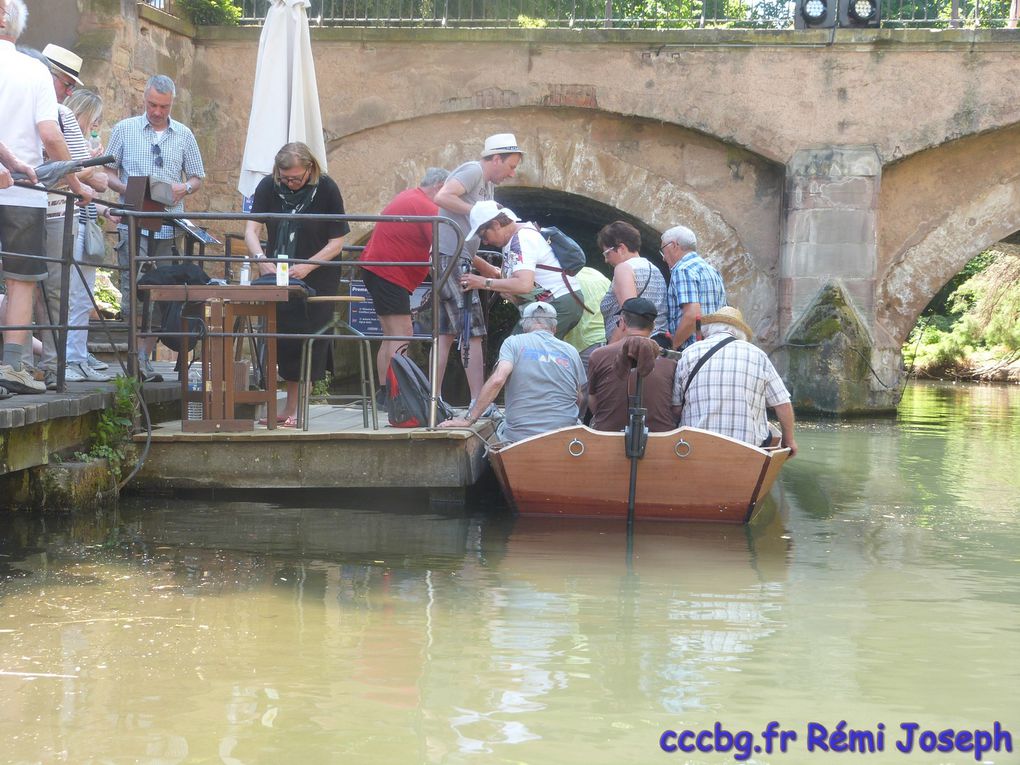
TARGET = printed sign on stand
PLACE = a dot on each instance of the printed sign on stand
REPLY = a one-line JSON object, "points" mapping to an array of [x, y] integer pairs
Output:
{"points": [[363, 316]]}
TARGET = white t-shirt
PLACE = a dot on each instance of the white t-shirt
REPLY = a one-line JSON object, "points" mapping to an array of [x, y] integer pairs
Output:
{"points": [[526, 250], [26, 99]]}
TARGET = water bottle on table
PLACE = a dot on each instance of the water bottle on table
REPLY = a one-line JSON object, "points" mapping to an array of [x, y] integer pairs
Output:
{"points": [[195, 408]]}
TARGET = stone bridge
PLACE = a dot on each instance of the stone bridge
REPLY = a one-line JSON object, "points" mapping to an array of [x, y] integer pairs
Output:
{"points": [[838, 178]]}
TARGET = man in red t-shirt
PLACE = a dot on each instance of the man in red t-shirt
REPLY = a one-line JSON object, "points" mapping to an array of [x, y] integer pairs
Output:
{"points": [[391, 286]]}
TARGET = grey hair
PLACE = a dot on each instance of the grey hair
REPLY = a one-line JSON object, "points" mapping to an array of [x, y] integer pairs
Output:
{"points": [[433, 177], [683, 236], [162, 84], [539, 322], [17, 19], [718, 327]]}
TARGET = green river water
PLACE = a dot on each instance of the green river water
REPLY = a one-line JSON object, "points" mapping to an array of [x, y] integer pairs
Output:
{"points": [[880, 588]]}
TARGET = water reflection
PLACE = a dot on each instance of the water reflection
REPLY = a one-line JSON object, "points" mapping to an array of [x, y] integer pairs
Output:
{"points": [[879, 586]]}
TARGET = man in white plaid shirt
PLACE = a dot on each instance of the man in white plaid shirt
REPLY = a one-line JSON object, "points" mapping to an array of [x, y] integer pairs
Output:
{"points": [[729, 393], [163, 149]]}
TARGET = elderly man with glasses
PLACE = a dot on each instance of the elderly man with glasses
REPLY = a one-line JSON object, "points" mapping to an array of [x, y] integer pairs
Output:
{"points": [[695, 287], [154, 145]]}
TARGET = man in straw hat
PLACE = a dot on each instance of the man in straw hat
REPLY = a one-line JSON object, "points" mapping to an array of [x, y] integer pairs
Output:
{"points": [[544, 379], [729, 392], [471, 182]]}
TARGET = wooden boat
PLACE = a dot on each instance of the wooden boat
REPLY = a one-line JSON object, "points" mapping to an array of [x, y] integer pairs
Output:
{"points": [[687, 474]]}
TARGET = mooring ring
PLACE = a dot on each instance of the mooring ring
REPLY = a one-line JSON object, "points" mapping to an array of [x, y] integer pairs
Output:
{"points": [[682, 446], [575, 448]]}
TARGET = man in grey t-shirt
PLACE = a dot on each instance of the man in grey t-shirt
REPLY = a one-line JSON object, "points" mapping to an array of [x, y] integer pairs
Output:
{"points": [[544, 380], [471, 182]]}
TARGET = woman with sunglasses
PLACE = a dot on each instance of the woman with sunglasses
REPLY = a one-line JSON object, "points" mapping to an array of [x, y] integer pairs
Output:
{"points": [[298, 187], [633, 276]]}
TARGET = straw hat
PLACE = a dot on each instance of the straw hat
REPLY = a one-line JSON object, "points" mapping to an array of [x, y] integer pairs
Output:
{"points": [[728, 315], [64, 61]]}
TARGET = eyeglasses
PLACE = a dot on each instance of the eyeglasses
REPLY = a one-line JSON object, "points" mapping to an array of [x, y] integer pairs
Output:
{"points": [[295, 179], [157, 155], [68, 85], [662, 250], [605, 252]]}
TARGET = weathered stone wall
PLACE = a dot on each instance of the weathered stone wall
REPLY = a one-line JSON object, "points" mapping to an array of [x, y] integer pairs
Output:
{"points": [[722, 130]]}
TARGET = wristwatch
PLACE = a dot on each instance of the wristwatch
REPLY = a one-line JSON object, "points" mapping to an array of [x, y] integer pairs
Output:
{"points": [[488, 284], [187, 188]]}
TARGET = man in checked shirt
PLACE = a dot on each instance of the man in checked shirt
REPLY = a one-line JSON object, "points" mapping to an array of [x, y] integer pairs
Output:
{"points": [[728, 394], [157, 146]]}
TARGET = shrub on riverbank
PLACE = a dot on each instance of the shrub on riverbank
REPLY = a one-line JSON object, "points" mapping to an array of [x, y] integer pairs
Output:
{"points": [[971, 330]]}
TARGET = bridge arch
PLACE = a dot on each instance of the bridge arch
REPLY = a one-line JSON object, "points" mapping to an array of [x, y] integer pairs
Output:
{"points": [[582, 163], [939, 209]]}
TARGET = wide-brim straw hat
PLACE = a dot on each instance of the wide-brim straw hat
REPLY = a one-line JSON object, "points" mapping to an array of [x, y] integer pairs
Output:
{"points": [[501, 143], [728, 315]]}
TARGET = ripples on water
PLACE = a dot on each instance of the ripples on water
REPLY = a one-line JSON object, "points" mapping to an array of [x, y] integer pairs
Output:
{"points": [[880, 586]]}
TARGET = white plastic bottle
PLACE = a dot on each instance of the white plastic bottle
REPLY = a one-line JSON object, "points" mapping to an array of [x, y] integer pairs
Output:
{"points": [[245, 277], [195, 408], [94, 142], [282, 275]]}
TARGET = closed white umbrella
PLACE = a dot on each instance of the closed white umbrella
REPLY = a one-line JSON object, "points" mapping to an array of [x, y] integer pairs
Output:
{"points": [[285, 102]]}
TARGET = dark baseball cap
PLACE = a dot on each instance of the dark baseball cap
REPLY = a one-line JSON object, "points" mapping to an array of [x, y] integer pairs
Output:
{"points": [[640, 307]]}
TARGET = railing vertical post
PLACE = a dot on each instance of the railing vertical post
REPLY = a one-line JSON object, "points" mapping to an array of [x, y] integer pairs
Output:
{"points": [[434, 351], [132, 317], [609, 15], [66, 259]]}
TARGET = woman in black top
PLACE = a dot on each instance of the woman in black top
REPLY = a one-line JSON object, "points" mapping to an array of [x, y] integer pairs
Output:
{"points": [[297, 186]]}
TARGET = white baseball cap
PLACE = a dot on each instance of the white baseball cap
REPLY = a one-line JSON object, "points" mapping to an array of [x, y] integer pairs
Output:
{"points": [[485, 211]]}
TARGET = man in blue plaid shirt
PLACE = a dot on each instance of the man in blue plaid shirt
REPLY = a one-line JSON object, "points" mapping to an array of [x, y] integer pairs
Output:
{"points": [[154, 145], [695, 288]]}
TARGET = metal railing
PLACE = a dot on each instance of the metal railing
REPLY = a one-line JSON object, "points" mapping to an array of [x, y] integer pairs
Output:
{"points": [[624, 14], [439, 278]]}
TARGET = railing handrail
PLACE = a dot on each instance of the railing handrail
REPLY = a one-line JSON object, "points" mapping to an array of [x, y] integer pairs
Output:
{"points": [[438, 278]]}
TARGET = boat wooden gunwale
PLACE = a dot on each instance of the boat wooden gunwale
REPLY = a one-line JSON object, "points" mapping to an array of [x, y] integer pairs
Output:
{"points": [[686, 474]]}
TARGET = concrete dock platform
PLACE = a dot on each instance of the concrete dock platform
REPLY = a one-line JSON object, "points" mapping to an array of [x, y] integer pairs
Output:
{"points": [[337, 451]]}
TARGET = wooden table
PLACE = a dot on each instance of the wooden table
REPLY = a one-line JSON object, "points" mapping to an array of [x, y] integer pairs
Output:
{"points": [[224, 307]]}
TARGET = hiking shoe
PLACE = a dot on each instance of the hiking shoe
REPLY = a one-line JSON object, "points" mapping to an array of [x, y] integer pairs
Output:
{"points": [[74, 373], [20, 381], [4, 393], [95, 363], [50, 378], [147, 372]]}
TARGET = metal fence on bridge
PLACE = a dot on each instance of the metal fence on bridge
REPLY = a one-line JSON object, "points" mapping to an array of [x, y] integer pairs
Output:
{"points": [[621, 14]]}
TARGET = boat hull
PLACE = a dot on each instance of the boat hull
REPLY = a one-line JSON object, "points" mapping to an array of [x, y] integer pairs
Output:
{"points": [[686, 474]]}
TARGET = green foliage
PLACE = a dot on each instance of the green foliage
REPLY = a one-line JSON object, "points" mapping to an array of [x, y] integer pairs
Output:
{"points": [[528, 22], [321, 387], [979, 317], [209, 12], [113, 431]]}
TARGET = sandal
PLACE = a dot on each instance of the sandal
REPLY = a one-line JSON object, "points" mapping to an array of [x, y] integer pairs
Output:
{"points": [[288, 422]]}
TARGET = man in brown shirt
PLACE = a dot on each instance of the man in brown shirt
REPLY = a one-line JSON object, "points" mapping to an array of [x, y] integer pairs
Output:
{"points": [[610, 383]]}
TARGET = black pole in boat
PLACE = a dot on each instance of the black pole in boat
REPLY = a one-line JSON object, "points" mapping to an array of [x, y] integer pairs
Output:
{"points": [[635, 440]]}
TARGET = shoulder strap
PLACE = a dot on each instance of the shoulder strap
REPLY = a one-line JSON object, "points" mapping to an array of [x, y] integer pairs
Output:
{"points": [[566, 281], [701, 362], [647, 279]]}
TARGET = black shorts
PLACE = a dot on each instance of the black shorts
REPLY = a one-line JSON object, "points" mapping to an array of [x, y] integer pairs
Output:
{"points": [[390, 299], [23, 232]]}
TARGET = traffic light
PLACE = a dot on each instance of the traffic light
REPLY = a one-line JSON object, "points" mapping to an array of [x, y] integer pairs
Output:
{"points": [[859, 13], [815, 14]]}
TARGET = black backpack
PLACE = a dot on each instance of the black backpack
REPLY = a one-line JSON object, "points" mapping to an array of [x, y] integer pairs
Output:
{"points": [[407, 394], [172, 316], [568, 252]]}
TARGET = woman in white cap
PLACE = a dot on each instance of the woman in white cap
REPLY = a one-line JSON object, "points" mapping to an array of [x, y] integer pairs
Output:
{"points": [[522, 279]]}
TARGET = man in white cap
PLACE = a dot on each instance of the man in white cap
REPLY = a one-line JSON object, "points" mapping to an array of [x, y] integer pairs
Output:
{"points": [[724, 383], [544, 380], [29, 124], [471, 182]]}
